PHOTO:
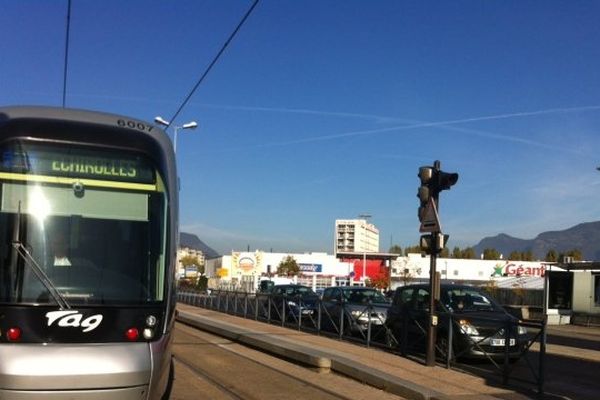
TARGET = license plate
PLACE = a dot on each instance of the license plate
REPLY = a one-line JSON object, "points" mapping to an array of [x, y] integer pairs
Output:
{"points": [[501, 342]]}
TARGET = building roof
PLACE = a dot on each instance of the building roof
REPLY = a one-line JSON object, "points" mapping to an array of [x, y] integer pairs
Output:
{"points": [[367, 255], [580, 266]]}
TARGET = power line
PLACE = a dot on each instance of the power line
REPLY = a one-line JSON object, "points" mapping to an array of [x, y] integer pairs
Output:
{"points": [[64, 96], [214, 61]]}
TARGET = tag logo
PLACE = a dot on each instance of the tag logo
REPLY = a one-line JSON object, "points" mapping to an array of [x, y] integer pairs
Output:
{"points": [[74, 319]]}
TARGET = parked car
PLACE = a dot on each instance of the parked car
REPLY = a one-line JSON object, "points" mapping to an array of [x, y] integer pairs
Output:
{"points": [[478, 321], [265, 286], [359, 306], [293, 300]]}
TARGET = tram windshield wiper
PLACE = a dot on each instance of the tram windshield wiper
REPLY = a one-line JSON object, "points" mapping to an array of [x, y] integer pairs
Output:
{"points": [[41, 275], [35, 267]]}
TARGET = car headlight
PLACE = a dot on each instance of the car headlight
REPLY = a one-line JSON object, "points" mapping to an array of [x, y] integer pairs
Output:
{"points": [[467, 328], [356, 313], [522, 330], [291, 303]]}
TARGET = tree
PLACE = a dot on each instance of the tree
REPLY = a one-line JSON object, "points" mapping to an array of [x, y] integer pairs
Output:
{"points": [[575, 253], [551, 256], [527, 256], [456, 252], [515, 256], [395, 249], [379, 282], [288, 267], [412, 249], [191, 261], [491, 254], [445, 253], [468, 253]]}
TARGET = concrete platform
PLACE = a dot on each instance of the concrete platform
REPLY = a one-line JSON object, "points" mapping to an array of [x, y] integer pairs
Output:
{"points": [[398, 375]]}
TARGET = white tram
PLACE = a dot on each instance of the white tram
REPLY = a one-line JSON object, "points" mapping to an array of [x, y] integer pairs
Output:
{"points": [[88, 239]]}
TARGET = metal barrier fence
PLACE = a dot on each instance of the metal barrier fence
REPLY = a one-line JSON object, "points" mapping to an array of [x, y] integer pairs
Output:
{"points": [[504, 343]]}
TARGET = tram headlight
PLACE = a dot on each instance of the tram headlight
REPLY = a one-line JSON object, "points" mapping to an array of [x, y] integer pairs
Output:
{"points": [[148, 333], [151, 320]]}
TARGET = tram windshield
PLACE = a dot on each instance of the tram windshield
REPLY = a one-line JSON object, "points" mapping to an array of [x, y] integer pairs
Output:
{"points": [[83, 226]]}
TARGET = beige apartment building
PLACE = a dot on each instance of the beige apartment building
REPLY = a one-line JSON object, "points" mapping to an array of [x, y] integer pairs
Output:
{"points": [[357, 235]]}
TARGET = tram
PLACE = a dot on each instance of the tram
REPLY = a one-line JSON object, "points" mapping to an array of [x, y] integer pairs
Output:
{"points": [[88, 242]]}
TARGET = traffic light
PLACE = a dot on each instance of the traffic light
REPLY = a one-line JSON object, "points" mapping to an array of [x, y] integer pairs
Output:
{"points": [[424, 193], [433, 244], [445, 180], [433, 181]]}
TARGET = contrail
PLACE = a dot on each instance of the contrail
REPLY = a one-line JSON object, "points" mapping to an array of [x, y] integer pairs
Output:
{"points": [[445, 124], [307, 111], [407, 124]]}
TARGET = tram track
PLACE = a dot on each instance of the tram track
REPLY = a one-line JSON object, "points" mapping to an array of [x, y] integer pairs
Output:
{"points": [[238, 372], [198, 372]]}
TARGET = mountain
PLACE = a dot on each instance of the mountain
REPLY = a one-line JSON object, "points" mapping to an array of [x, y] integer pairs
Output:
{"points": [[584, 237], [192, 241]]}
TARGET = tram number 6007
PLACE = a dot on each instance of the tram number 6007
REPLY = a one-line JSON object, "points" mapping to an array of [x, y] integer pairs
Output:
{"points": [[134, 125]]}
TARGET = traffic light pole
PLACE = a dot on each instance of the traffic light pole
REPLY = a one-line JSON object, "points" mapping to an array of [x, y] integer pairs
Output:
{"points": [[433, 181], [433, 319]]}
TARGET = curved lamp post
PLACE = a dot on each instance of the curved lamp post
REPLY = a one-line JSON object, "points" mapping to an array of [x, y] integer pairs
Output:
{"points": [[189, 125]]}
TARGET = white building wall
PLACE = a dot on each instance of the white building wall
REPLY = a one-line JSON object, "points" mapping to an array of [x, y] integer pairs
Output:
{"points": [[582, 290], [505, 273], [257, 263], [327, 269]]}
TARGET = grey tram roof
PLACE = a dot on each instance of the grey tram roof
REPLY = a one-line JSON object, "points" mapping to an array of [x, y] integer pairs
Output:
{"points": [[79, 115]]}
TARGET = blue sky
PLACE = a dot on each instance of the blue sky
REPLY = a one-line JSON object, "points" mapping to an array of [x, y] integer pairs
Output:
{"points": [[321, 110]]}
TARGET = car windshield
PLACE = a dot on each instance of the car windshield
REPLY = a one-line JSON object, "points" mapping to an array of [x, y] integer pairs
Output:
{"points": [[80, 226], [300, 291], [363, 296], [468, 299]]}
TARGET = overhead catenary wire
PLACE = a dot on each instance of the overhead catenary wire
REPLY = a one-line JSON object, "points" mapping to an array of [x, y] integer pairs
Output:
{"points": [[213, 62], [64, 94]]}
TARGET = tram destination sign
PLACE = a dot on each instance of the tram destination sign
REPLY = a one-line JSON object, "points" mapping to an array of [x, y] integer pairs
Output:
{"points": [[76, 164]]}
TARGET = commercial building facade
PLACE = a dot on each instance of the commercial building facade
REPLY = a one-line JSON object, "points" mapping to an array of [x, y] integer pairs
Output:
{"points": [[244, 269], [322, 270]]}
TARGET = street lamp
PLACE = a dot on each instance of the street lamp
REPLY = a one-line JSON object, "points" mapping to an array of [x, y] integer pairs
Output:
{"points": [[364, 272], [189, 125]]}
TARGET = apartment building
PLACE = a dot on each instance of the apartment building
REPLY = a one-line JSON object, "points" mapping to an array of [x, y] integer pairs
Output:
{"points": [[357, 235]]}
